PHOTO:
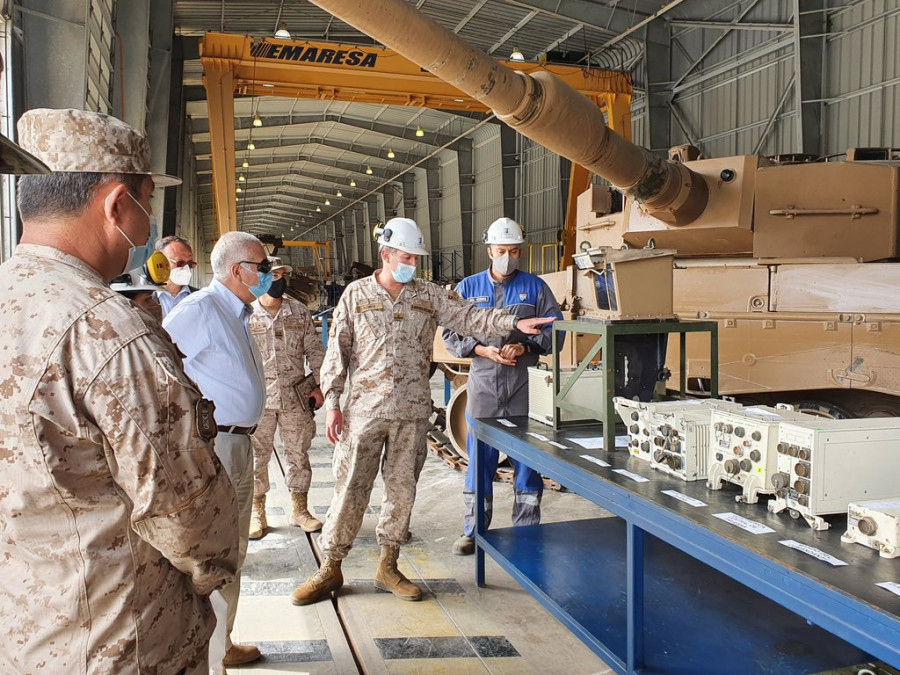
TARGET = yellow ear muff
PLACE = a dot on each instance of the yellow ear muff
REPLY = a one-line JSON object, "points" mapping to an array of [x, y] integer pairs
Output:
{"points": [[156, 269]]}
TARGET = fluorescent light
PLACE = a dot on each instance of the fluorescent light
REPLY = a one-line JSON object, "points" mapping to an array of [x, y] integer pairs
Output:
{"points": [[516, 55], [268, 85]]}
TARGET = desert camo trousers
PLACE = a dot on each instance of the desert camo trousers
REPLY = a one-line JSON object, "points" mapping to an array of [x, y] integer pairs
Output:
{"points": [[357, 457], [297, 431]]}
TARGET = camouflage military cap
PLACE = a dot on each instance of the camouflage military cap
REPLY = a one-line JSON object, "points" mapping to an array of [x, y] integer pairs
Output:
{"points": [[79, 140]]}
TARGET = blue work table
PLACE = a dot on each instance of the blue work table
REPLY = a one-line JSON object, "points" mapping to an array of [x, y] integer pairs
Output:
{"points": [[699, 594]]}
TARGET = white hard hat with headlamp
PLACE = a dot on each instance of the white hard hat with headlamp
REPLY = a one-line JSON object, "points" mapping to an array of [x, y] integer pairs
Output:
{"points": [[402, 234], [504, 231]]}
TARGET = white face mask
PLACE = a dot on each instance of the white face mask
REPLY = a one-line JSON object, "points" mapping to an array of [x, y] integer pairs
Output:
{"points": [[181, 276], [505, 265]]}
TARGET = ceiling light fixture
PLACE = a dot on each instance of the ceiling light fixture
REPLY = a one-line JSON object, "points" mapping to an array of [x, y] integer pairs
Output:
{"points": [[318, 209], [268, 85], [340, 194], [369, 170], [352, 183], [245, 164], [241, 178], [251, 145], [327, 202], [282, 32], [391, 154], [420, 132], [257, 120], [239, 190], [516, 55]]}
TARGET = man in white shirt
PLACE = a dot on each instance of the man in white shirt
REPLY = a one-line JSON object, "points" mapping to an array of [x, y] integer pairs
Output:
{"points": [[182, 265], [210, 329]]}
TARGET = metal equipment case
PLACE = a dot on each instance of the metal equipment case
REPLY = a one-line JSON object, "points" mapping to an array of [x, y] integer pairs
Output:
{"points": [[876, 525], [585, 392], [742, 448], [824, 465]]}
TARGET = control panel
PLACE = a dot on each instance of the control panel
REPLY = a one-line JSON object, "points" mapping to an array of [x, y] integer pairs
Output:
{"points": [[823, 465], [743, 448], [875, 524]]}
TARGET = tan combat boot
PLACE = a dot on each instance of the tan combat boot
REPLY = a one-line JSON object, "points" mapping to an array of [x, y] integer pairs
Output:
{"points": [[258, 524], [300, 515], [389, 578], [320, 585]]}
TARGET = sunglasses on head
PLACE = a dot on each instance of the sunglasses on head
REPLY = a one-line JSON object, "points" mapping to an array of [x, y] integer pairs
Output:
{"points": [[265, 266]]}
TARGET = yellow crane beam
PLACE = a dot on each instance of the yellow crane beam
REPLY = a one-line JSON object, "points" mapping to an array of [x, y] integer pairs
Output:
{"points": [[364, 74]]}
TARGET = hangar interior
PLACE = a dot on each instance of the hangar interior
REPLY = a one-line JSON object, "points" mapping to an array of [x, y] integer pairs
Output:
{"points": [[286, 122]]}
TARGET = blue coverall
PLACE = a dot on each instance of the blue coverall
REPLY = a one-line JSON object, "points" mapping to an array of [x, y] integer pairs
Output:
{"points": [[496, 390]]}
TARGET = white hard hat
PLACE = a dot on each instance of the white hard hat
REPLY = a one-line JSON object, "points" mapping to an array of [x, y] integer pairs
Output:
{"points": [[132, 282], [402, 234], [504, 231]]}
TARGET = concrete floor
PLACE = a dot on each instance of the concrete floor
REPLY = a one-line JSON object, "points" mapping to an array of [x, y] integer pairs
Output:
{"points": [[456, 628]]}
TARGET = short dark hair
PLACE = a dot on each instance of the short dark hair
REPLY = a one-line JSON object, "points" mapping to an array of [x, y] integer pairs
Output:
{"points": [[171, 239], [68, 193]]}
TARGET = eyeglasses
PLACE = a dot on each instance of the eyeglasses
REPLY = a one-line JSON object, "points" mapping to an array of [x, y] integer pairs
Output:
{"points": [[183, 263], [265, 266]]}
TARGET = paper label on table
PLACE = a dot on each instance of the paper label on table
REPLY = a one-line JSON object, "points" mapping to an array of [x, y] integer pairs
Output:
{"points": [[538, 436], [814, 552], [633, 476], [891, 586], [750, 526], [505, 423], [684, 498], [558, 445], [598, 462], [596, 443]]}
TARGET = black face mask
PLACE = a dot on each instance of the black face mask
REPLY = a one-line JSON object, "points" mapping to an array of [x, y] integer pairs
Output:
{"points": [[276, 290]]}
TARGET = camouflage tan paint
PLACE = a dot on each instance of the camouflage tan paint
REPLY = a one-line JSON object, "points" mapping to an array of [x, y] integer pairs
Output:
{"points": [[117, 519]]}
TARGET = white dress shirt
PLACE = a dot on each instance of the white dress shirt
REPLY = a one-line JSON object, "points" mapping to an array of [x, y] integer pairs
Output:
{"points": [[210, 329], [167, 301]]}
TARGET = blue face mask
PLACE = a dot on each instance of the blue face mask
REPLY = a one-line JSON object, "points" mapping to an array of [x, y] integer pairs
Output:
{"points": [[404, 273], [264, 282], [138, 255]]}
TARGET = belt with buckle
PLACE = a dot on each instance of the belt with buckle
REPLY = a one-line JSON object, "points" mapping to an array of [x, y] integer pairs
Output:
{"points": [[234, 429]]}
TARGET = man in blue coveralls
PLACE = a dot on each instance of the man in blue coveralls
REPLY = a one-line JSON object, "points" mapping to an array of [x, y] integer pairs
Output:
{"points": [[498, 376]]}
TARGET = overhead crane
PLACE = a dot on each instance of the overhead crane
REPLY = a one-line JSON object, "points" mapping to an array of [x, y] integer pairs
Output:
{"points": [[363, 74]]}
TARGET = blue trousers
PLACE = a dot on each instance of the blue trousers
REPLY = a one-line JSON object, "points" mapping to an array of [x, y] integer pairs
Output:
{"points": [[527, 485]]}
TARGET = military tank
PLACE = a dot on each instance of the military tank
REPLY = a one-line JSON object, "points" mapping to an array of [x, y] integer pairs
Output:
{"points": [[795, 261]]}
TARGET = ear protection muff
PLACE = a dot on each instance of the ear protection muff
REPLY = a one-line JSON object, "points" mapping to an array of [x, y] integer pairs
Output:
{"points": [[156, 269]]}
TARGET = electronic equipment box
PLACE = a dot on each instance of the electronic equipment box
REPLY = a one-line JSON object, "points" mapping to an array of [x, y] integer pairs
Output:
{"points": [[743, 448], [875, 524], [824, 464]]}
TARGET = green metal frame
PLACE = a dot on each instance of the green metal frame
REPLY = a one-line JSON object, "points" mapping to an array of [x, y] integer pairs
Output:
{"points": [[608, 332]]}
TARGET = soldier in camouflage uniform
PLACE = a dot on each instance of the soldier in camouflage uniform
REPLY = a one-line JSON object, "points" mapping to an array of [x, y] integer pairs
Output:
{"points": [[380, 342], [117, 519], [287, 339]]}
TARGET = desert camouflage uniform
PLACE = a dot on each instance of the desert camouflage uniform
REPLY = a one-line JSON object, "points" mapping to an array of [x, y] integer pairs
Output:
{"points": [[383, 347], [285, 341], [116, 518]]}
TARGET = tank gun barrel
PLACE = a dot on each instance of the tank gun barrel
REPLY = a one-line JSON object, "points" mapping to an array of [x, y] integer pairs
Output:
{"points": [[538, 105]]}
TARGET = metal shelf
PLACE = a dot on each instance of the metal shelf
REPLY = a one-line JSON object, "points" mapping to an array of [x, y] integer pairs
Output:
{"points": [[841, 600]]}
